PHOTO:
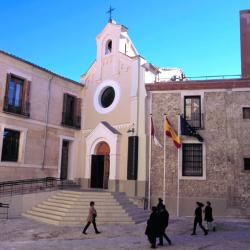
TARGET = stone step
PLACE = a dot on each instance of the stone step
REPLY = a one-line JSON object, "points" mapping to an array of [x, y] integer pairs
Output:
{"points": [[56, 204], [88, 193], [81, 201], [100, 203], [82, 197], [71, 208], [41, 219], [80, 207], [44, 215], [85, 193], [57, 219], [60, 209], [70, 213]]}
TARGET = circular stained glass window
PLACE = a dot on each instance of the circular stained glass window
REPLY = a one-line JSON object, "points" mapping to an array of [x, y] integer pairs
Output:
{"points": [[107, 97]]}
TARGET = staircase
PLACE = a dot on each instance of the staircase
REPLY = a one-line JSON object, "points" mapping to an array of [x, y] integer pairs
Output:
{"points": [[70, 208]]}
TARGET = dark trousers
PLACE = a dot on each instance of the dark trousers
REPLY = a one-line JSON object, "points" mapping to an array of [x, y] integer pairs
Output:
{"points": [[87, 225], [200, 224], [166, 237], [152, 240]]}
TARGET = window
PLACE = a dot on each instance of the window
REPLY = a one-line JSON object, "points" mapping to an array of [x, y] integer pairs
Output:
{"points": [[192, 159], [11, 139], [17, 95], [246, 113], [192, 110], [108, 48], [71, 115], [107, 97], [246, 163]]}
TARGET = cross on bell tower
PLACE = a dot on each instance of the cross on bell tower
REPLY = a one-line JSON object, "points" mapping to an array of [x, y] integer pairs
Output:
{"points": [[110, 13]]}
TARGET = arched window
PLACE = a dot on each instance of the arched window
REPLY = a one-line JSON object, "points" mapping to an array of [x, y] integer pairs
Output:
{"points": [[108, 48]]}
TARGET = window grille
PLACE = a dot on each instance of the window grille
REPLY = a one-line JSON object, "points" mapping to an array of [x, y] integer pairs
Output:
{"points": [[192, 159]]}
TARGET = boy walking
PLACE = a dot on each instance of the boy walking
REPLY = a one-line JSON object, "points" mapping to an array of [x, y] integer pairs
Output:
{"points": [[209, 216], [91, 218]]}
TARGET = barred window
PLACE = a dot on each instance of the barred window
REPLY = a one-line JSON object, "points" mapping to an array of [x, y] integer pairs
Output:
{"points": [[192, 159], [246, 113], [246, 163]]}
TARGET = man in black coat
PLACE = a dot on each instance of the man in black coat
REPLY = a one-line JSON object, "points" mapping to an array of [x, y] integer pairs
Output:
{"points": [[198, 218], [163, 224], [152, 230]]}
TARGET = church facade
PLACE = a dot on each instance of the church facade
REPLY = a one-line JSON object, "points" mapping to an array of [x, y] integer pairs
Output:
{"points": [[97, 131]]}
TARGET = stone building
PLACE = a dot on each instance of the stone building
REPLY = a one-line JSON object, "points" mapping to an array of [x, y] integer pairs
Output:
{"points": [[96, 131], [213, 162]]}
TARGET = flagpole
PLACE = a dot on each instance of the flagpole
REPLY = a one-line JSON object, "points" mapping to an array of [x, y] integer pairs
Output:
{"points": [[178, 173], [149, 165], [164, 160]]}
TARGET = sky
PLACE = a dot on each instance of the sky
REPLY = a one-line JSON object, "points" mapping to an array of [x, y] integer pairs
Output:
{"points": [[200, 37]]}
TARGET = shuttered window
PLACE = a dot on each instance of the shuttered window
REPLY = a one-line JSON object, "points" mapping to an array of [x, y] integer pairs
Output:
{"points": [[17, 95], [71, 115]]}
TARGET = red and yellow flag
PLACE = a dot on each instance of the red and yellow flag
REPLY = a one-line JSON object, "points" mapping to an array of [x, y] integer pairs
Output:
{"points": [[171, 133]]}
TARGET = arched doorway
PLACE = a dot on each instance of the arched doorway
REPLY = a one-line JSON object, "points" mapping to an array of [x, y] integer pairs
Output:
{"points": [[100, 164]]}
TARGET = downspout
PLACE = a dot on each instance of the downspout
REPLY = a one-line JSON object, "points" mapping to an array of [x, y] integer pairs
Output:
{"points": [[138, 93], [46, 122], [137, 122]]}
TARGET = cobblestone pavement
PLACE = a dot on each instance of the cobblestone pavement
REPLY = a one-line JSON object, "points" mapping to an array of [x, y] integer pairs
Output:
{"points": [[25, 234]]}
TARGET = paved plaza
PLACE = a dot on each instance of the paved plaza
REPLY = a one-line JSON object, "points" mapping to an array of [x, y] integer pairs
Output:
{"points": [[25, 234]]}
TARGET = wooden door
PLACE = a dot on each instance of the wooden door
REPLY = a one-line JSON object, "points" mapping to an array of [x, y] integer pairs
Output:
{"points": [[97, 167], [64, 160]]}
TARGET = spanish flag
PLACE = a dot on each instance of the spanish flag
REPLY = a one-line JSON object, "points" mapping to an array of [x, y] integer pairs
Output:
{"points": [[171, 133]]}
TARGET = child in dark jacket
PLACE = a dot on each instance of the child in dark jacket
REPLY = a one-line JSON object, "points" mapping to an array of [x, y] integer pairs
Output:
{"points": [[209, 217]]}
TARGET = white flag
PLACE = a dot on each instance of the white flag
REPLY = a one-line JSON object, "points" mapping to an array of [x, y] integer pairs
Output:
{"points": [[156, 141]]}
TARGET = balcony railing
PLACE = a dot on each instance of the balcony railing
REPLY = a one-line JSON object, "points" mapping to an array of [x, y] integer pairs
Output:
{"points": [[74, 122], [9, 188], [18, 109]]}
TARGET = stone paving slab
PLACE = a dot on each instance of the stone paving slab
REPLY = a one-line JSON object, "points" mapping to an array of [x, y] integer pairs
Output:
{"points": [[25, 234]]}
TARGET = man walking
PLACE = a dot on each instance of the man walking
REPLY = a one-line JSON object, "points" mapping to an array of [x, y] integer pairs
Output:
{"points": [[198, 218], [91, 218], [163, 224]]}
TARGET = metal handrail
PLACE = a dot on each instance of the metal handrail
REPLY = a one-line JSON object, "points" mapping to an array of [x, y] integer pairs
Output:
{"points": [[5, 206], [9, 188], [213, 77]]}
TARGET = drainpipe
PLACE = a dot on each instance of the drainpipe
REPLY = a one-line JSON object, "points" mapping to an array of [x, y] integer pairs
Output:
{"points": [[46, 122], [138, 93]]}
